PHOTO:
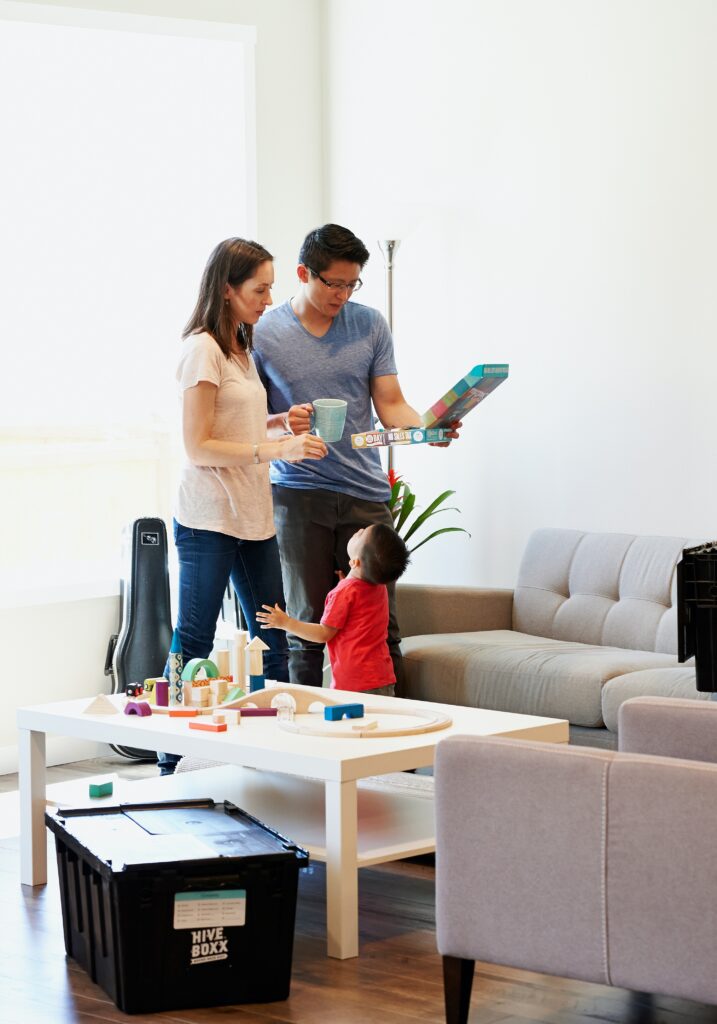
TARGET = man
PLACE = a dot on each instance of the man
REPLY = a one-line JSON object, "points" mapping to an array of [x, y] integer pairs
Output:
{"points": [[320, 345]]}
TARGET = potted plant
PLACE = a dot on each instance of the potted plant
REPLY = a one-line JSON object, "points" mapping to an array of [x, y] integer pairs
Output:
{"points": [[402, 504]]}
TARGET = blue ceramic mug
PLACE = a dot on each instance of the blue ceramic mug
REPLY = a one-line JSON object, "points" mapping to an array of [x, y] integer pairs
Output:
{"points": [[328, 418]]}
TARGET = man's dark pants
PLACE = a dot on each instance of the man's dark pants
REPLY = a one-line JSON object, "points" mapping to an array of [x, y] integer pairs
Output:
{"points": [[313, 528]]}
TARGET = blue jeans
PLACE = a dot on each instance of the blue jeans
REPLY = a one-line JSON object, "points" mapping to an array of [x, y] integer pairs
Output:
{"points": [[207, 561]]}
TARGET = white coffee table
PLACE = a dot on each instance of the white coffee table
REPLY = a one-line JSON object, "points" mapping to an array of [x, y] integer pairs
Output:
{"points": [[306, 787]]}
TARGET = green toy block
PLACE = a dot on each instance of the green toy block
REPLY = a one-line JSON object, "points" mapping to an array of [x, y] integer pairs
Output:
{"points": [[234, 694], [100, 789]]}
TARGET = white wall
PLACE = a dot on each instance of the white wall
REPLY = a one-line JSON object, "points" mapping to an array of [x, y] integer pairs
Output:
{"points": [[550, 168]]}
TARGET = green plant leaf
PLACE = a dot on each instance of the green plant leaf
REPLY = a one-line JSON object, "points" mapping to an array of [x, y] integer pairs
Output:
{"points": [[430, 511], [395, 494], [420, 520], [436, 533], [409, 501]]}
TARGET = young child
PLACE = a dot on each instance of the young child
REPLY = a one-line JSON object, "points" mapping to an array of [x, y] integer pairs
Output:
{"points": [[355, 621]]}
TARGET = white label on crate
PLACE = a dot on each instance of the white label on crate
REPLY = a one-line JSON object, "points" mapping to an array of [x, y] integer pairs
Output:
{"points": [[207, 911]]}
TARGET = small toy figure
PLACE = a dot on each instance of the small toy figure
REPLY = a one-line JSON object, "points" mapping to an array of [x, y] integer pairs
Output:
{"points": [[134, 689]]}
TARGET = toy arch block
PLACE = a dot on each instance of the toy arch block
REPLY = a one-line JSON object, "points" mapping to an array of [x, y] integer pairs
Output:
{"points": [[338, 711], [137, 707]]}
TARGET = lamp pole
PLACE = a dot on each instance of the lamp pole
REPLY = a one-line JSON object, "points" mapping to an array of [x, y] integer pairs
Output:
{"points": [[388, 248]]}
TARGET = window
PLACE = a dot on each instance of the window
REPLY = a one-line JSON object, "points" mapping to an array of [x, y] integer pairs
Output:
{"points": [[128, 153]]}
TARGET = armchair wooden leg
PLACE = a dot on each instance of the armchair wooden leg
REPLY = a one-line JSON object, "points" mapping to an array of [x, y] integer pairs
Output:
{"points": [[457, 985]]}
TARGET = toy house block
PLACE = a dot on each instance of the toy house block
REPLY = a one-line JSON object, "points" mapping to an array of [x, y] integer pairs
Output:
{"points": [[209, 726], [256, 656], [335, 712]]}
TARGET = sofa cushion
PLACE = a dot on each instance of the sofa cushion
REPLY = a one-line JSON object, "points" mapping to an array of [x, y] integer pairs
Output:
{"points": [[612, 589], [661, 682], [505, 670]]}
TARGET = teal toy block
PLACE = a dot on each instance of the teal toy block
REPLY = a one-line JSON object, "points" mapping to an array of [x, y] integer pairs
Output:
{"points": [[335, 712], [100, 789]]}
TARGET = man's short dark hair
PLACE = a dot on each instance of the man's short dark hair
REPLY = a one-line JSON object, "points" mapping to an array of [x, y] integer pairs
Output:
{"points": [[385, 555], [324, 245]]}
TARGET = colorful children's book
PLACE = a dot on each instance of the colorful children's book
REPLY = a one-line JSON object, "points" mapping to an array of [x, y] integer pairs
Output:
{"points": [[403, 435], [466, 394]]}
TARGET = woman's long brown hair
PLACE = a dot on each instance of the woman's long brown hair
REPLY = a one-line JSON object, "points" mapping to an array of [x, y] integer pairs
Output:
{"points": [[232, 262]]}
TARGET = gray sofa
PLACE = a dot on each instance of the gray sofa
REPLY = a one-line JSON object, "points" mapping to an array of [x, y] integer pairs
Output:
{"points": [[595, 864], [591, 622]]}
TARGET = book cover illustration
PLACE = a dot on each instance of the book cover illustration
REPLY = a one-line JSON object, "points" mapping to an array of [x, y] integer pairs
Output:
{"points": [[466, 394]]}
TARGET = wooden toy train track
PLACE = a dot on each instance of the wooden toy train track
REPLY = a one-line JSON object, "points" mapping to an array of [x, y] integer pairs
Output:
{"points": [[376, 722]]}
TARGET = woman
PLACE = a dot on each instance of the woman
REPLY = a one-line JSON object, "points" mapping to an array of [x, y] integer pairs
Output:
{"points": [[223, 520]]}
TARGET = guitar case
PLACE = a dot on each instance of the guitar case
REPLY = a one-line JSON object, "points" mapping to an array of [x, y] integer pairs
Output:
{"points": [[139, 649]]}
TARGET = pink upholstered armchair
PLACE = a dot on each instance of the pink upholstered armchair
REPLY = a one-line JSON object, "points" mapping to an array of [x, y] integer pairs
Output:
{"points": [[582, 863]]}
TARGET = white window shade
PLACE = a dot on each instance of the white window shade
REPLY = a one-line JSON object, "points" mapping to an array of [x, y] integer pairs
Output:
{"points": [[128, 153]]}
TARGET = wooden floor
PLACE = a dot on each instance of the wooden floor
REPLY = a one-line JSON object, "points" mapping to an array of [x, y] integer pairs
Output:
{"points": [[396, 980]]}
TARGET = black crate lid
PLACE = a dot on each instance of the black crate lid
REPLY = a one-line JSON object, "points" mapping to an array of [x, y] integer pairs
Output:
{"points": [[132, 835]]}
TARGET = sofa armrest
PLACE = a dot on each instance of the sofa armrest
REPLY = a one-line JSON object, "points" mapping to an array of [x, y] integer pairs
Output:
{"points": [[669, 727], [425, 609]]}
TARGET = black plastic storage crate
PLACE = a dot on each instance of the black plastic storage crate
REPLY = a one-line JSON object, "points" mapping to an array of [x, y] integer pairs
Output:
{"points": [[178, 904]]}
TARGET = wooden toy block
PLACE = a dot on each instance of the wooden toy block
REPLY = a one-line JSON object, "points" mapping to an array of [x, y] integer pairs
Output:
{"points": [[137, 707], [183, 712], [209, 726], [100, 705], [256, 650], [218, 689], [256, 682], [134, 689], [257, 712], [218, 719], [100, 789], [234, 694], [221, 659], [365, 726], [335, 712], [232, 717], [161, 693]]}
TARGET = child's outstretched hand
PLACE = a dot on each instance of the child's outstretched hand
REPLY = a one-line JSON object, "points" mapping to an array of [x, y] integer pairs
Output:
{"points": [[272, 618]]}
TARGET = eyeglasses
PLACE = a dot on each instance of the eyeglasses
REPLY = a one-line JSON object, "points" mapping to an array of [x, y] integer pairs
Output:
{"points": [[339, 286]]}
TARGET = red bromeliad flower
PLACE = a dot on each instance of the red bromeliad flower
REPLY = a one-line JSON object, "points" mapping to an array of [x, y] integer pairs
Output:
{"points": [[393, 477]]}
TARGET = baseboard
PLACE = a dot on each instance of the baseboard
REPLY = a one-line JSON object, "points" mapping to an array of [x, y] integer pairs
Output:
{"points": [[59, 749]]}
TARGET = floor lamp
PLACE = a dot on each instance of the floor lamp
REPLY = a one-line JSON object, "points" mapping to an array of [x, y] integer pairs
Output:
{"points": [[388, 248]]}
